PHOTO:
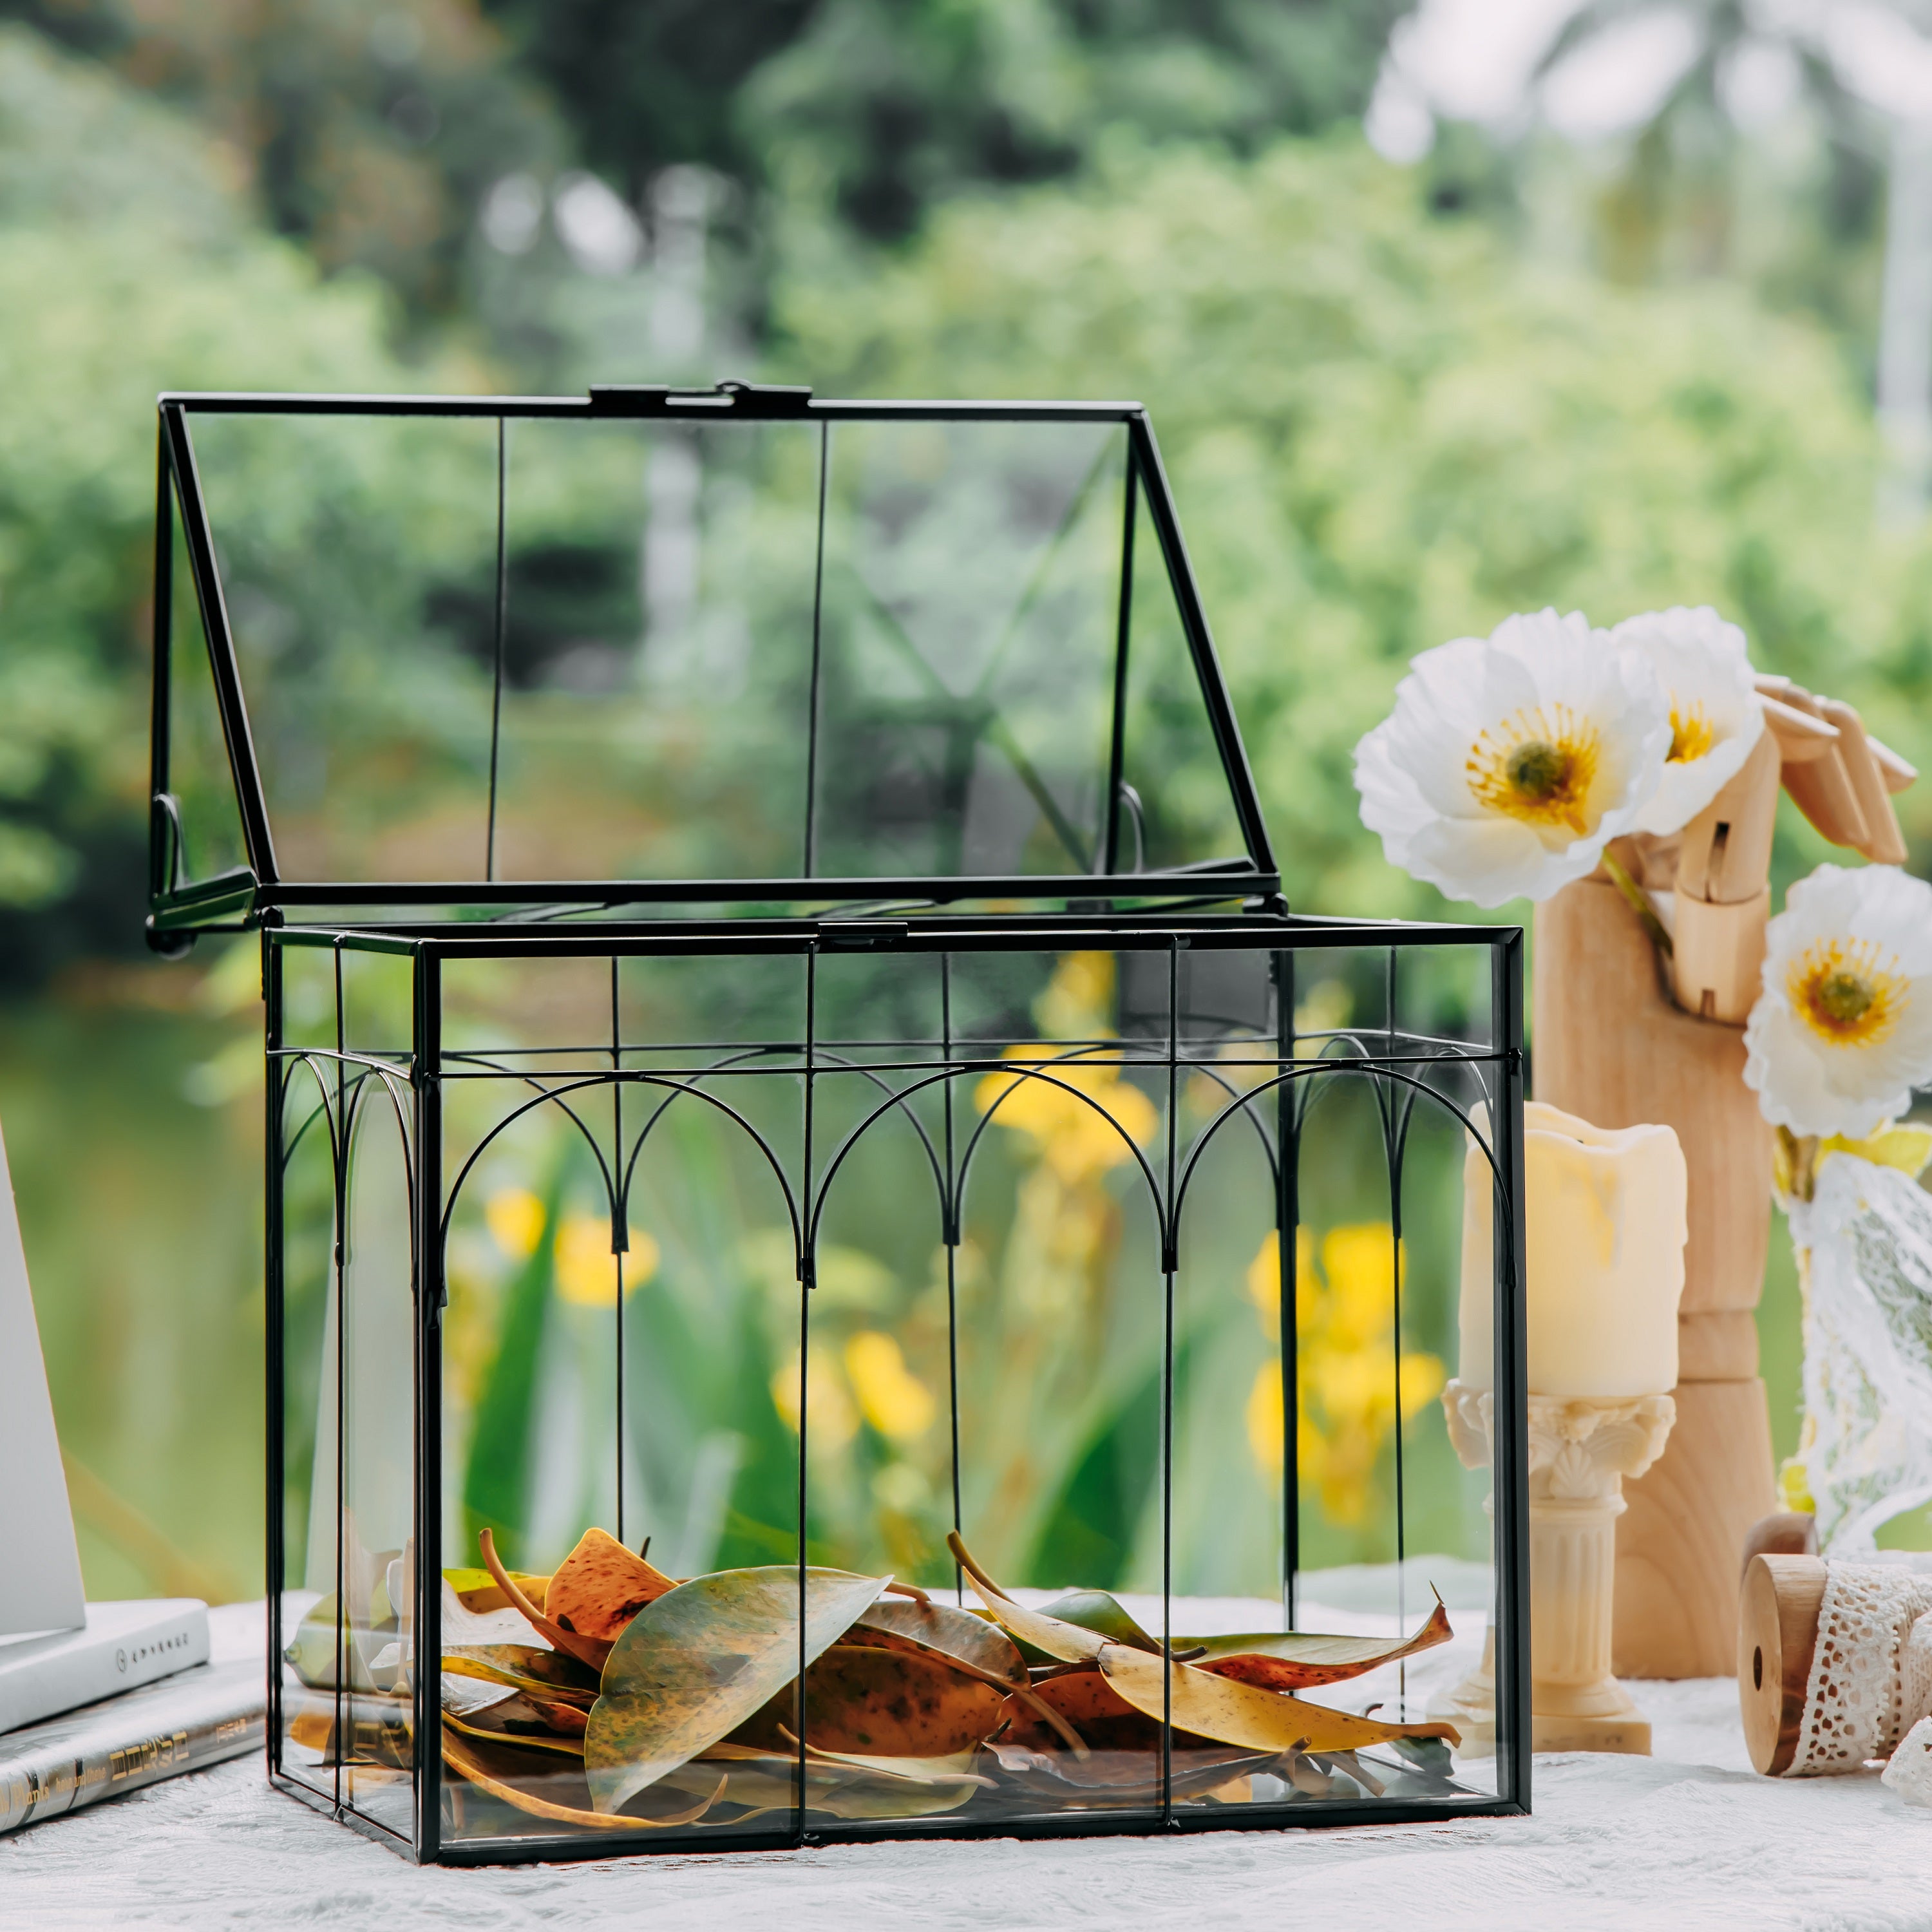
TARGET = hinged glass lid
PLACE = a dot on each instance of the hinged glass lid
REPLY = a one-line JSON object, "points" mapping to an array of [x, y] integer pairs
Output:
{"points": [[661, 646]]}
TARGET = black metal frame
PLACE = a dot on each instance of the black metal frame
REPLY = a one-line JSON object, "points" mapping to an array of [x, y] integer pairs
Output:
{"points": [[1120, 909], [1402, 1066], [176, 913]]}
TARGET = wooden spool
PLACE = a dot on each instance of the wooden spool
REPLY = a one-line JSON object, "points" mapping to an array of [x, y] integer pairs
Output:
{"points": [[1778, 1630]]}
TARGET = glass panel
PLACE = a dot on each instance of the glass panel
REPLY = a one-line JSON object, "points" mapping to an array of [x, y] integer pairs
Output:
{"points": [[971, 610], [377, 1556], [564, 650], [310, 1514], [658, 620], [357, 556], [641, 1392], [1178, 810], [198, 776]]}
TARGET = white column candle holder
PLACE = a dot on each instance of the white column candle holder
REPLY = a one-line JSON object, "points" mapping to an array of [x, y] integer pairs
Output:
{"points": [[1581, 1448]]}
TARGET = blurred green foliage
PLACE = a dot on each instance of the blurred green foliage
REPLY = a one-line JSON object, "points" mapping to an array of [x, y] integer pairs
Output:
{"points": [[1384, 430], [365, 129]]}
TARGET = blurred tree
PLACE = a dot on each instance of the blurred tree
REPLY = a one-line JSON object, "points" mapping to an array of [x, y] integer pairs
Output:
{"points": [[128, 263], [369, 130], [1679, 199], [1385, 430], [887, 107]]}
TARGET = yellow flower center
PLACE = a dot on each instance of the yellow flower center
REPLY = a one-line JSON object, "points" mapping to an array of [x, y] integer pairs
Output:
{"points": [[1847, 992], [1692, 734], [1538, 766]]}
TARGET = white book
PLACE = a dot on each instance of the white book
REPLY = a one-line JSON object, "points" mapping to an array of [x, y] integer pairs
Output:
{"points": [[121, 1646]]}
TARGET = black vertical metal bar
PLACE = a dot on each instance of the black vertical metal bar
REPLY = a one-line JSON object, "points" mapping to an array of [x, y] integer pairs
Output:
{"points": [[1169, 1260], [274, 1284], [158, 870], [1116, 742], [338, 1736], [200, 542], [1200, 645], [1287, 1234], [430, 1296], [620, 1222], [950, 1208], [807, 1273], [1398, 1119], [496, 650], [1509, 1423], [817, 616]]}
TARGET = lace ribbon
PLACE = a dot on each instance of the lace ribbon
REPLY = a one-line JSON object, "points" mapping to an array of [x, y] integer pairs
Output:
{"points": [[1871, 1669]]}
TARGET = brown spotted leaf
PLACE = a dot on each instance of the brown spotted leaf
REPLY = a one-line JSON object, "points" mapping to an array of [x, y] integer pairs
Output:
{"points": [[600, 1586], [883, 1704], [694, 1665], [1296, 1659]]}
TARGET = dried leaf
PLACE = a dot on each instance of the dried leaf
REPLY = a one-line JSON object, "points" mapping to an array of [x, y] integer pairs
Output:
{"points": [[600, 1586], [477, 1590], [692, 1667], [1067, 1641], [592, 1651], [943, 1630], [1106, 1615], [883, 1703], [1296, 1659], [1101, 1716], [1238, 1714], [494, 1725], [543, 1673], [484, 1766]]}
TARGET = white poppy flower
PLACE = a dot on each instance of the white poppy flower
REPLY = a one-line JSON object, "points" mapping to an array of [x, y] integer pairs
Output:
{"points": [[1704, 666], [1842, 1030], [1510, 761]]}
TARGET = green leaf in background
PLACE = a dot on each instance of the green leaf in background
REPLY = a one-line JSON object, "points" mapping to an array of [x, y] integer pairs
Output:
{"points": [[496, 1479], [695, 1664]]}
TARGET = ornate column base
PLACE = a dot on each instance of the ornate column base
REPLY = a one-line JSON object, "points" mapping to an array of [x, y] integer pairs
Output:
{"points": [[1580, 1450]]}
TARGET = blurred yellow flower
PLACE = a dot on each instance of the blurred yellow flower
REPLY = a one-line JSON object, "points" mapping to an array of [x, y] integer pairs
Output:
{"points": [[895, 1401], [832, 1419], [1078, 997], [515, 1219], [1346, 1364], [1079, 1139], [587, 1270]]}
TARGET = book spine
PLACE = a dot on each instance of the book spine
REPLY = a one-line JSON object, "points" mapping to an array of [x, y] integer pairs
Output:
{"points": [[58, 1778]]}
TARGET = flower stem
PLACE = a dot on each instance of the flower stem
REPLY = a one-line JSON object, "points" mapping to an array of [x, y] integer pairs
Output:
{"points": [[1640, 903]]}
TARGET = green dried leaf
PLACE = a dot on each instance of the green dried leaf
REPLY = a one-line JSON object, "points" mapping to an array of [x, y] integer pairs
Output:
{"points": [[1095, 1610], [694, 1665]]}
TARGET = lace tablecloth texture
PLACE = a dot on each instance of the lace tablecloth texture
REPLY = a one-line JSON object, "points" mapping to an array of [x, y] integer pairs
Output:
{"points": [[1690, 1838]]}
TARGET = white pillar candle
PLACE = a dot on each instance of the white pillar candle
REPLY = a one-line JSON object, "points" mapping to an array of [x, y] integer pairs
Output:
{"points": [[1607, 1223]]}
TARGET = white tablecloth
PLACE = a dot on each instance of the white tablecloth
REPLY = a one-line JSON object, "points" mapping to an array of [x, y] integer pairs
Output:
{"points": [[1689, 1840]]}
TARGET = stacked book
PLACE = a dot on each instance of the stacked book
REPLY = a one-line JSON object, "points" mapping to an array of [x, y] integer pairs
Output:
{"points": [[95, 1699], [139, 1701]]}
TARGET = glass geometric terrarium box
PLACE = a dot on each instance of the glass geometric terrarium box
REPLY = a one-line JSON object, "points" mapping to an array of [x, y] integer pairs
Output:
{"points": [[834, 1250]]}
